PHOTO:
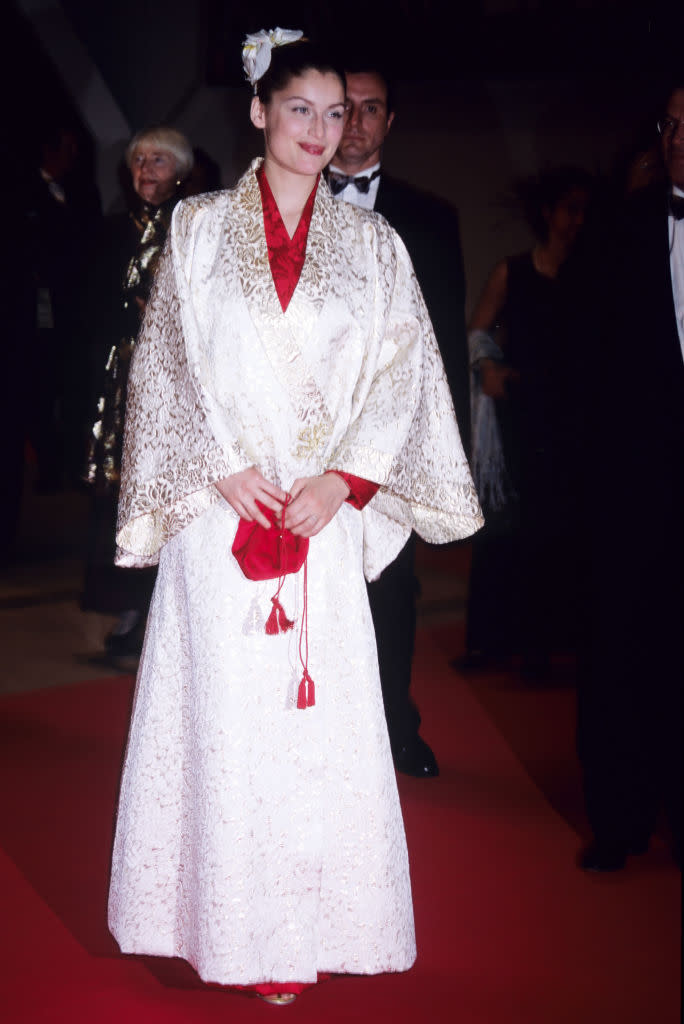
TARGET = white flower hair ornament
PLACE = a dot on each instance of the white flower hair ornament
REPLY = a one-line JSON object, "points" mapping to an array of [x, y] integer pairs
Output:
{"points": [[256, 50]]}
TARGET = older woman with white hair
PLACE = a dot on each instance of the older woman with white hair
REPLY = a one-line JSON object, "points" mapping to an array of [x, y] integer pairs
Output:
{"points": [[159, 159]]}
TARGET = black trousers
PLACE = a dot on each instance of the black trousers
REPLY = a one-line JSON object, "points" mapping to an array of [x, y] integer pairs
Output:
{"points": [[631, 675], [392, 601]]}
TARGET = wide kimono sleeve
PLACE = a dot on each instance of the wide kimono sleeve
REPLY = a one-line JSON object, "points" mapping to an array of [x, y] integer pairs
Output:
{"points": [[171, 457], [405, 436]]}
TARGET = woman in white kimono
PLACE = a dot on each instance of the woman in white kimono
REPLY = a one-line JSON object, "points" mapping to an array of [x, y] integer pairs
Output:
{"points": [[259, 835]]}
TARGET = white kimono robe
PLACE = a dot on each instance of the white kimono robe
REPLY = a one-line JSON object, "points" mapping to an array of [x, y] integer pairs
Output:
{"points": [[260, 842]]}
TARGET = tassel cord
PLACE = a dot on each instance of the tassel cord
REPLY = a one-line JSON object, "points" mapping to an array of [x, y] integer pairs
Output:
{"points": [[306, 696], [278, 622]]}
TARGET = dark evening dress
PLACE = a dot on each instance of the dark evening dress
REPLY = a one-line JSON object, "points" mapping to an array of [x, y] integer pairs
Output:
{"points": [[523, 589]]}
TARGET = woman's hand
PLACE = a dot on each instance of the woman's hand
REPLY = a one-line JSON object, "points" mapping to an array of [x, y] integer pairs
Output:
{"points": [[243, 490], [315, 500]]}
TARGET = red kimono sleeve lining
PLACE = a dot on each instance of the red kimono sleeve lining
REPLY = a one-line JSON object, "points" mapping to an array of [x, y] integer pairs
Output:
{"points": [[360, 491]]}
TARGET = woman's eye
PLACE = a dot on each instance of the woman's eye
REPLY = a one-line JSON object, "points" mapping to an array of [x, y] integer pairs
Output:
{"points": [[336, 115], [301, 110]]}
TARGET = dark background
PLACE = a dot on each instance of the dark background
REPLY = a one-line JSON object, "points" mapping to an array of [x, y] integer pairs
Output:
{"points": [[487, 92]]}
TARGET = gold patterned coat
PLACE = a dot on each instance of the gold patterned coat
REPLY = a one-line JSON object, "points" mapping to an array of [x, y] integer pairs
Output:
{"points": [[122, 278], [145, 231], [261, 842]]}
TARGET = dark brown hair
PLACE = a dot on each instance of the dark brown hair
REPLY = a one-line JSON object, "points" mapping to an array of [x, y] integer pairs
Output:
{"points": [[292, 60], [541, 194]]}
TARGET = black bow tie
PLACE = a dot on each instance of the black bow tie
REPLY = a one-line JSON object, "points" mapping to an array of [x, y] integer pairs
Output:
{"points": [[338, 182], [677, 206]]}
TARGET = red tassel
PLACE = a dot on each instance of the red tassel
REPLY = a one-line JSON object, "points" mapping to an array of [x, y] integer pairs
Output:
{"points": [[283, 620], [272, 620], [306, 695], [277, 621]]}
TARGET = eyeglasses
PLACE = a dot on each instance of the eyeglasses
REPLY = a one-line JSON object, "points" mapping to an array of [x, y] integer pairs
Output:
{"points": [[669, 125]]}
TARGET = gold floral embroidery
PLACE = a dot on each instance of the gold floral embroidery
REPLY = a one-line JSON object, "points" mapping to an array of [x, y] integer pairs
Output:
{"points": [[312, 440]]}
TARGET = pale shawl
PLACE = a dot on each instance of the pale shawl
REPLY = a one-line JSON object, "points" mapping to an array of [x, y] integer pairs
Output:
{"points": [[349, 377]]}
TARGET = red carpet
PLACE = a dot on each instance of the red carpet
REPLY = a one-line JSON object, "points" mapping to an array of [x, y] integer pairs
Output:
{"points": [[508, 929]]}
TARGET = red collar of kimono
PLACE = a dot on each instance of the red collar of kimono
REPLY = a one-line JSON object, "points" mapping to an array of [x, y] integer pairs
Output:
{"points": [[285, 255]]}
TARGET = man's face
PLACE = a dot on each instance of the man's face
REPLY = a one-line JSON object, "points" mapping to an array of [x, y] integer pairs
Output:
{"points": [[367, 122], [672, 138]]}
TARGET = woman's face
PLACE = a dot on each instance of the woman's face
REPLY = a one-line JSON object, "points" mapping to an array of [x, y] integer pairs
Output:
{"points": [[302, 123], [154, 173], [567, 217]]}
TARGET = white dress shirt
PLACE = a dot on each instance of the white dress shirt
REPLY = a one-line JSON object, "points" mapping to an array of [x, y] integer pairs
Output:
{"points": [[351, 194], [677, 267]]}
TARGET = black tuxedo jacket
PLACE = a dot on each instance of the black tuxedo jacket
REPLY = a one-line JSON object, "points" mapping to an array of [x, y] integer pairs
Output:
{"points": [[428, 226], [632, 664], [633, 446], [640, 395]]}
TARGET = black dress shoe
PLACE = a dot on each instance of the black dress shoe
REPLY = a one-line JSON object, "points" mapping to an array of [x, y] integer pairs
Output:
{"points": [[604, 856], [416, 758], [479, 661], [123, 650], [125, 645]]}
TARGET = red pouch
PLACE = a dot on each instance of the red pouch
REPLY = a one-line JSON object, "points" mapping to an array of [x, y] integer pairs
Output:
{"points": [[268, 554]]}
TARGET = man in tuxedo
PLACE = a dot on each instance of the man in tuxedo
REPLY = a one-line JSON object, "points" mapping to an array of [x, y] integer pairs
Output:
{"points": [[61, 208], [630, 684], [429, 229]]}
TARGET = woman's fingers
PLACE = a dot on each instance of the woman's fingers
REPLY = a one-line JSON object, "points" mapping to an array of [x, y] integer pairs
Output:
{"points": [[278, 495], [271, 497], [314, 503], [258, 516], [314, 500], [242, 491], [302, 507], [308, 524], [298, 509], [298, 486]]}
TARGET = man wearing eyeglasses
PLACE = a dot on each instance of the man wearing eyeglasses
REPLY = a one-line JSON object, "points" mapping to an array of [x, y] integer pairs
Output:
{"points": [[429, 228], [630, 689]]}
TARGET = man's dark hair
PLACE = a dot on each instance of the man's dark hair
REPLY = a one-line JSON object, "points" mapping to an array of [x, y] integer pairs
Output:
{"points": [[674, 84], [360, 64]]}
